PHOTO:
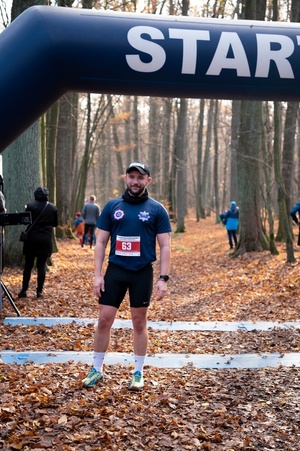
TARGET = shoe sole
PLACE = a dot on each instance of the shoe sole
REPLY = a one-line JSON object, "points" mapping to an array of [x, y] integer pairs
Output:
{"points": [[135, 388], [93, 384]]}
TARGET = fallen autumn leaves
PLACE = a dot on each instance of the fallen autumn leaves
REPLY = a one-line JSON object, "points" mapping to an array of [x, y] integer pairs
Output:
{"points": [[45, 407]]}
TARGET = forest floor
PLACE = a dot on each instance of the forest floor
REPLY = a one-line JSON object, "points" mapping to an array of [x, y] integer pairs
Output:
{"points": [[45, 407]]}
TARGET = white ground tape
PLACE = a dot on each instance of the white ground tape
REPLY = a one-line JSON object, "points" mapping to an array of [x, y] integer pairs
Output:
{"points": [[206, 361], [222, 326]]}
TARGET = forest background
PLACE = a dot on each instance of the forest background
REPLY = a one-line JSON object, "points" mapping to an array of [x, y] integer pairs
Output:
{"points": [[202, 153]]}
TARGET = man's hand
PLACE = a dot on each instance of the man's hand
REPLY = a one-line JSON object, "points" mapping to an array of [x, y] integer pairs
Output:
{"points": [[99, 285], [161, 289]]}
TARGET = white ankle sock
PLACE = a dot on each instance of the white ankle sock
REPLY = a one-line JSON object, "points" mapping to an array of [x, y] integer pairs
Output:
{"points": [[98, 360], [139, 363]]}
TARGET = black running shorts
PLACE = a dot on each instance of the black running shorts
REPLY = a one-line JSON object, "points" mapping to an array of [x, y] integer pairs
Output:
{"points": [[118, 280]]}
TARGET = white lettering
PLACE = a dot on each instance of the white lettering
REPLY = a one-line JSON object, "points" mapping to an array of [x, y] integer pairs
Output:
{"points": [[221, 61], [265, 55], [189, 53], [157, 53], [229, 54]]}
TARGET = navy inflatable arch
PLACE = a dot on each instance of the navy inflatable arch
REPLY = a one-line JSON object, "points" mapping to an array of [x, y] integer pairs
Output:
{"points": [[48, 51]]}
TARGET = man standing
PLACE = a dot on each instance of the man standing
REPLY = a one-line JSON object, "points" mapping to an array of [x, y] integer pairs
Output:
{"points": [[90, 214], [133, 223]]}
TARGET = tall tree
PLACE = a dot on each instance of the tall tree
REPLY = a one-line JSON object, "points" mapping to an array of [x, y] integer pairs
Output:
{"points": [[135, 128], [207, 157], [199, 206], [166, 150], [118, 152], [180, 150], [288, 153], [51, 129], [181, 165], [281, 196], [288, 164], [216, 160], [252, 236], [153, 142], [65, 155], [267, 176], [235, 126]]}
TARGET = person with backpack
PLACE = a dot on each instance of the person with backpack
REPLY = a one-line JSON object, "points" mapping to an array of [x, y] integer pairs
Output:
{"points": [[39, 236], [230, 219]]}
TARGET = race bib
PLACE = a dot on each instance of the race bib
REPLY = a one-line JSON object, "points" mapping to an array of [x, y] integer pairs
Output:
{"points": [[129, 246]]}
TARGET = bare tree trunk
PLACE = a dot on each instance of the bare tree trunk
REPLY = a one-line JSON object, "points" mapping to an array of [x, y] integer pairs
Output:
{"points": [[226, 179], [206, 161], [65, 157], [135, 128], [252, 237], [118, 154], [22, 175], [285, 231], [153, 146], [235, 125], [216, 160], [51, 144], [180, 152], [267, 174], [199, 208], [283, 213], [289, 150], [166, 151], [128, 130], [173, 170]]}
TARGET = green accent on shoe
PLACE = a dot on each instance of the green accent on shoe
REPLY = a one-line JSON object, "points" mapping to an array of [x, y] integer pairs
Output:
{"points": [[93, 378], [137, 382]]}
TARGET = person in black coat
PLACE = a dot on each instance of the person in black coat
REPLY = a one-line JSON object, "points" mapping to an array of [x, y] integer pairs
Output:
{"points": [[39, 239]]}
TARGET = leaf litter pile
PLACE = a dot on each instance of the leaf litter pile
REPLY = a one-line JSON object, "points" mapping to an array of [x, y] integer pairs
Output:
{"points": [[45, 407]]}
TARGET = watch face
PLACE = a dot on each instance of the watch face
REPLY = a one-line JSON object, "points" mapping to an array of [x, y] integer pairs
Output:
{"points": [[165, 278]]}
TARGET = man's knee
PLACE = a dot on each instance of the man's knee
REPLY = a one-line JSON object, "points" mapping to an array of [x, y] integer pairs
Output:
{"points": [[139, 322], [106, 317]]}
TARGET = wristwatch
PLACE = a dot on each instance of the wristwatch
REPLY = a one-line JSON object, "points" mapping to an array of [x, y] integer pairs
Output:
{"points": [[164, 277]]}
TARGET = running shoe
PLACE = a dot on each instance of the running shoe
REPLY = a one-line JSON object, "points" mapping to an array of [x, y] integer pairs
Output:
{"points": [[137, 382], [93, 378]]}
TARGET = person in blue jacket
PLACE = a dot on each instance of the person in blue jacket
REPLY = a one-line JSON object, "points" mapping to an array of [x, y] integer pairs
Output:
{"points": [[294, 211], [230, 219]]}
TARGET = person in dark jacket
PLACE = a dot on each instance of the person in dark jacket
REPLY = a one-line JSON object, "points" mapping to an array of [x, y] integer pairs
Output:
{"points": [[90, 213], [39, 242], [230, 219]]}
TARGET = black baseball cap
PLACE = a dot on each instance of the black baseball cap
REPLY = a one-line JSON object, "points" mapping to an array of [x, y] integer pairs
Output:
{"points": [[141, 167]]}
